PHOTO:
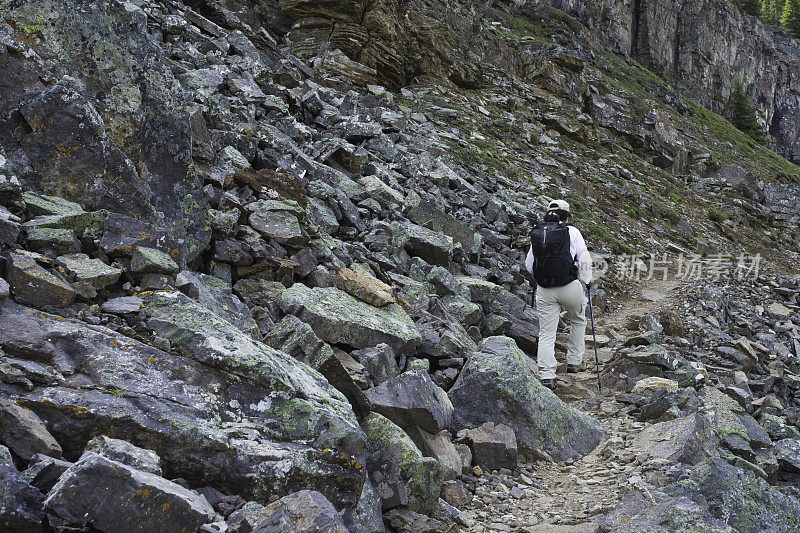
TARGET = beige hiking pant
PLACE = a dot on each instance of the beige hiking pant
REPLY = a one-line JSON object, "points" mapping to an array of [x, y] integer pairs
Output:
{"points": [[548, 307]]}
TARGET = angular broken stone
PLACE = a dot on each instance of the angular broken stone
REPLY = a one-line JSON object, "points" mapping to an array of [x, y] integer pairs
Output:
{"points": [[647, 386], [365, 287], [684, 440], [91, 275], [339, 318], [493, 446], [433, 247], [496, 385], [20, 503], [399, 473], [54, 241], [412, 399], [147, 260], [152, 503], [126, 453], [24, 433], [122, 305], [33, 285], [44, 471], [300, 512]]}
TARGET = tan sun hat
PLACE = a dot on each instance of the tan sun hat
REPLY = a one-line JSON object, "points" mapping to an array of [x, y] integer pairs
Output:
{"points": [[558, 204]]}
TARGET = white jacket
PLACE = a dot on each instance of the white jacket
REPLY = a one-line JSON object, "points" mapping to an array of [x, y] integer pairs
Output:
{"points": [[578, 250]]}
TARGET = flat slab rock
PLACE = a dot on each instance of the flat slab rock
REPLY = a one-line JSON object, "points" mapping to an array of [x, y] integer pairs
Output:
{"points": [[131, 500], [339, 318], [33, 285]]}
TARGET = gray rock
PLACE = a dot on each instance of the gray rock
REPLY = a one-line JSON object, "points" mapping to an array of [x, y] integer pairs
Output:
{"points": [[147, 260], [41, 204], [399, 473], [90, 274], [24, 433], [20, 503], [278, 220], [33, 285], [493, 446], [685, 440], [788, 452], [217, 296], [306, 511], [288, 427], [339, 318], [5, 289], [379, 361], [153, 503], [367, 517], [496, 385], [412, 400], [126, 453], [433, 247], [44, 471], [122, 305], [454, 493], [440, 447], [53, 241], [297, 339]]}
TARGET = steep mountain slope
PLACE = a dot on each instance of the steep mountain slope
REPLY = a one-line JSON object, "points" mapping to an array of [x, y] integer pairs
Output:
{"points": [[271, 252]]}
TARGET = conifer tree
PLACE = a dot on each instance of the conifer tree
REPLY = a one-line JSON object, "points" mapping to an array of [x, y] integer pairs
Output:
{"points": [[743, 116], [790, 19], [751, 7], [766, 11]]}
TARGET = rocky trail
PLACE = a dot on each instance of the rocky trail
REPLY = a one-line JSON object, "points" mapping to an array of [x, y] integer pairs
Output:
{"points": [[573, 497]]}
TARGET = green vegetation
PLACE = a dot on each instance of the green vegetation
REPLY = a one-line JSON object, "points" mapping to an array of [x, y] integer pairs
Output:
{"points": [[715, 215], [743, 116], [751, 7], [790, 18]]}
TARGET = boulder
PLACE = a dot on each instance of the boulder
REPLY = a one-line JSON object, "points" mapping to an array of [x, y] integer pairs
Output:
{"points": [[440, 447], [493, 446], [41, 204], [788, 452], [339, 318], [379, 361], [5, 290], [90, 275], [401, 476], [647, 386], [432, 246], [367, 517], [497, 385], [20, 503], [152, 503], [126, 453], [147, 260], [284, 427], [306, 511], [365, 287], [45, 471], [739, 498], [24, 433], [52, 241], [217, 296], [278, 220], [82, 136], [412, 400], [33, 285], [684, 440], [296, 338]]}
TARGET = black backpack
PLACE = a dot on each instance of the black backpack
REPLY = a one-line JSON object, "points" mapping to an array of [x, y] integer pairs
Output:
{"points": [[553, 266]]}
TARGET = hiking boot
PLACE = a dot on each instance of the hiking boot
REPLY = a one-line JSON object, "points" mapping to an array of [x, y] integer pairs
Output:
{"points": [[549, 383], [573, 369]]}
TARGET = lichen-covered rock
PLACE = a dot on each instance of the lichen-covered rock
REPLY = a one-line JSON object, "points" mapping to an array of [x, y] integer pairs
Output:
{"points": [[433, 247], [24, 433], [412, 399], [243, 417], [152, 503], [33, 285], [91, 275], [20, 503], [364, 287], [296, 338], [493, 446], [306, 511], [338, 318], [152, 261], [399, 473], [81, 136], [788, 452], [496, 385], [52, 241], [126, 453], [367, 517], [217, 296]]}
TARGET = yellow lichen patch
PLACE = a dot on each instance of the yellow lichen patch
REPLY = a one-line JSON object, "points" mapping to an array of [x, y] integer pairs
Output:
{"points": [[165, 507]]}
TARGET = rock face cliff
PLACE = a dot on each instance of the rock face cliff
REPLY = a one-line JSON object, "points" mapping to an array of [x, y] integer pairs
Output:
{"points": [[706, 47]]}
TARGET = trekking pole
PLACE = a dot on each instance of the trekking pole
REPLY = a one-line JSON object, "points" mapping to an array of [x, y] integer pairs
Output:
{"points": [[594, 337]]}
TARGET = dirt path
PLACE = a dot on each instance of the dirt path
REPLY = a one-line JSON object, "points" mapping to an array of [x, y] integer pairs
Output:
{"points": [[569, 498]]}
